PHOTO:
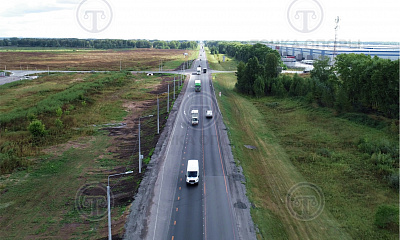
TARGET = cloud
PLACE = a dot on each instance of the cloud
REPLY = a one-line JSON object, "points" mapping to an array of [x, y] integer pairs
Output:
{"points": [[21, 9]]}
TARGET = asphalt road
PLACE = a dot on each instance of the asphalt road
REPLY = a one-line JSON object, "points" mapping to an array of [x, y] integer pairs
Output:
{"points": [[216, 208], [204, 211]]}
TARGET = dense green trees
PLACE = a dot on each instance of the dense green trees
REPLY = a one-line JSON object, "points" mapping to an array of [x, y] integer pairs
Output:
{"points": [[96, 43], [356, 82], [369, 83], [258, 66], [240, 51]]}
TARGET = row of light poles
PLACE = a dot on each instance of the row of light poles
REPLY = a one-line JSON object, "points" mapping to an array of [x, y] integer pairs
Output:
{"points": [[140, 155]]}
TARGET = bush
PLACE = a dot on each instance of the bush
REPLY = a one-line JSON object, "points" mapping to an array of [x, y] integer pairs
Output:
{"points": [[364, 120], [382, 146], [37, 128], [31, 117], [324, 152], [387, 217], [59, 124], [9, 162], [59, 112], [385, 163], [393, 180]]}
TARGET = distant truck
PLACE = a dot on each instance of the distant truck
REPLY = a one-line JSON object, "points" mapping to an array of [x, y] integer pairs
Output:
{"points": [[197, 85], [204, 70], [195, 117], [198, 70], [192, 172]]}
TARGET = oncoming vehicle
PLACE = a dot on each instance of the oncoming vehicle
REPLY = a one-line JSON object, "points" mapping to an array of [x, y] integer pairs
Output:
{"points": [[197, 85]]}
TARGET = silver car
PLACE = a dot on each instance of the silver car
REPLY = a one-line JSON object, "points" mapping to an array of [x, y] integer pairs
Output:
{"points": [[209, 114]]}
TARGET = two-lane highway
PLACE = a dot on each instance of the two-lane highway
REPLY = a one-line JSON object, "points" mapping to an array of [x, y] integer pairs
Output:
{"points": [[203, 211], [167, 208]]}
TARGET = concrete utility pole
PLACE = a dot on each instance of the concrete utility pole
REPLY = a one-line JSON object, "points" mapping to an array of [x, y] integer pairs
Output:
{"points": [[174, 88], [108, 201], [168, 100], [140, 155], [158, 113]]}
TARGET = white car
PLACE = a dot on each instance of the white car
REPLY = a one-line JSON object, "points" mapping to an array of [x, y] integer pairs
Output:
{"points": [[209, 114]]}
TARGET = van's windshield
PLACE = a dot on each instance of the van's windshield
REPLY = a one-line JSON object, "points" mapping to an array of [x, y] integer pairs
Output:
{"points": [[192, 174]]}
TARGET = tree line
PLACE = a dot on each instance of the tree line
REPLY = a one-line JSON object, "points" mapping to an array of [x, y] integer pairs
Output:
{"points": [[355, 83], [95, 43]]}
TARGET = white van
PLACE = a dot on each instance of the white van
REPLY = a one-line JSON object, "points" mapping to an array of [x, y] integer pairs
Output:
{"points": [[195, 117], [192, 172]]}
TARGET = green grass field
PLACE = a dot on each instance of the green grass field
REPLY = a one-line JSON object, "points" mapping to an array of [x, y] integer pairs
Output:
{"points": [[38, 196], [296, 142], [216, 62]]}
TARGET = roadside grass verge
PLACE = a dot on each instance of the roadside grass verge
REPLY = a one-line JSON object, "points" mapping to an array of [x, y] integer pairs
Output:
{"points": [[299, 143], [38, 199], [68, 105], [216, 61], [41, 201]]}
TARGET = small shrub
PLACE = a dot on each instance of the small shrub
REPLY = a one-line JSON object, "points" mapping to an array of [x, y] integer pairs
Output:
{"points": [[393, 179], [9, 162], [384, 163], [59, 112], [37, 128], [364, 120], [387, 217], [59, 124], [324, 152], [272, 104], [394, 128], [146, 160], [382, 146], [31, 117]]}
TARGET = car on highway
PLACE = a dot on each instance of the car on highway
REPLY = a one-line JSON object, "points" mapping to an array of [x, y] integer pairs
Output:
{"points": [[209, 114], [192, 172]]}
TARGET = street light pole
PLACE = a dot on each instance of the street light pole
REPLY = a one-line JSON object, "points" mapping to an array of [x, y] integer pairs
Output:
{"points": [[168, 100], [140, 155], [174, 88], [158, 113], [108, 200]]}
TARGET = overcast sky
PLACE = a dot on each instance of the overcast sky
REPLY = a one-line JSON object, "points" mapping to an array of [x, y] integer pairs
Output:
{"points": [[314, 20]]}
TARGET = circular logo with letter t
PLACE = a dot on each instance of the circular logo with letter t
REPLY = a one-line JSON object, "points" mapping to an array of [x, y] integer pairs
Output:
{"points": [[305, 201], [91, 201], [94, 16], [305, 16]]}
